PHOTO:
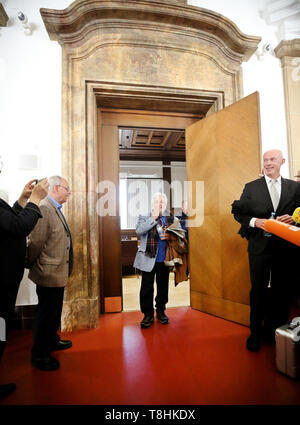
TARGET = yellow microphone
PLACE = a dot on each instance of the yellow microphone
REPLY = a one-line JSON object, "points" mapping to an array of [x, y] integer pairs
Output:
{"points": [[296, 215]]}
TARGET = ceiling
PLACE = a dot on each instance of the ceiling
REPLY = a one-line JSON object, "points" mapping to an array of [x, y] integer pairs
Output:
{"points": [[152, 143]]}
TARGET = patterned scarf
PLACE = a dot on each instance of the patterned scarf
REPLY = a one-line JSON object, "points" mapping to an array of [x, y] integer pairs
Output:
{"points": [[152, 242], [153, 238]]}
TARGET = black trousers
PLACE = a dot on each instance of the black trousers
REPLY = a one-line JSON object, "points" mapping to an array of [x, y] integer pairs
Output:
{"points": [[161, 272], [2, 348], [270, 306], [47, 319], [3, 332], [8, 296]]}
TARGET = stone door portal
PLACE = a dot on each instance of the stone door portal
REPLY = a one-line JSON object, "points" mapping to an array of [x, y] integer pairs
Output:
{"points": [[149, 55]]}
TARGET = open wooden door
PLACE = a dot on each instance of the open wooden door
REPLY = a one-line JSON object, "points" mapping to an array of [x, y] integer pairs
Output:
{"points": [[223, 152]]}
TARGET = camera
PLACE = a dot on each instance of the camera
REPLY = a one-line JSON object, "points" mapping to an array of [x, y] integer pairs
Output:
{"points": [[267, 48], [22, 18], [39, 180]]}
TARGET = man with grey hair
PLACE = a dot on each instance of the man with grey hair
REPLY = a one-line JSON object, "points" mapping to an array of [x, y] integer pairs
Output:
{"points": [[150, 260], [50, 258], [269, 256]]}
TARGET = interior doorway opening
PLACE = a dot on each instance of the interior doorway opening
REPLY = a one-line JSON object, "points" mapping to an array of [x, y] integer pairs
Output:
{"points": [[141, 177], [155, 136]]}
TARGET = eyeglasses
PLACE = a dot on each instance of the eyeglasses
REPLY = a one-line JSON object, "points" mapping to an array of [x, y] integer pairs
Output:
{"points": [[65, 187]]}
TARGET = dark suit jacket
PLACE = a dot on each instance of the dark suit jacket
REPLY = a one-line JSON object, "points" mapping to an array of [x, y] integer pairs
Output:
{"points": [[184, 222], [15, 224], [256, 202]]}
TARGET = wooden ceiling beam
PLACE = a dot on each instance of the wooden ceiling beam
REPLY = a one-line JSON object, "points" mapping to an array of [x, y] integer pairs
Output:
{"points": [[167, 135], [168, 141], [150, 137], [151, 155], [134, 136], [172, 140]]}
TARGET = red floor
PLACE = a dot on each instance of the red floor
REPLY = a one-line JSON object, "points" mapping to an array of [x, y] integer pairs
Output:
{"points": [[196, 359]]}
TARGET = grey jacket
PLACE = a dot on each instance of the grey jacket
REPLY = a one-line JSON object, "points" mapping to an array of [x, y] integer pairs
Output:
{"points": [[142, 260]]}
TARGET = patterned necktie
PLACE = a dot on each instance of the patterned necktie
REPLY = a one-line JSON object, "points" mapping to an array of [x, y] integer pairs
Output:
{"points": [[274, 194]]}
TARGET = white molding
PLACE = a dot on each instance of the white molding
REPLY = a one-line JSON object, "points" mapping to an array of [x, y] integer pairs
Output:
{"points": [[285, 15]]}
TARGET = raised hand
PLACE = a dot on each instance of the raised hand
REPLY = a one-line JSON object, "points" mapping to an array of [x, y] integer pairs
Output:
{"points": [[39, 191], [26, 193]]}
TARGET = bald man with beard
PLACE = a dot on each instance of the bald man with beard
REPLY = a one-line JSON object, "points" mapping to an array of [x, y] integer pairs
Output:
{"points": [[270, 257]]}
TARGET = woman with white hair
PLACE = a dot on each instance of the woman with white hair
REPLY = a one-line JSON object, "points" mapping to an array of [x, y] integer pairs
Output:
{"points": [[150, 260]]}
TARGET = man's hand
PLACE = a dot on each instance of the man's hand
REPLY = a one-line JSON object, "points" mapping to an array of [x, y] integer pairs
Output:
{"points": [[285, 219], [155, 214], [164, 236], [25, 195], [260, 223], [39, 191]]}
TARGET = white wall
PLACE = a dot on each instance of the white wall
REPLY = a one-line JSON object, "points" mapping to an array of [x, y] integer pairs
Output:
{"points": [[30, 103], [154, 169], [30, 92], [179, 193], [263, 75], [30, 96]]}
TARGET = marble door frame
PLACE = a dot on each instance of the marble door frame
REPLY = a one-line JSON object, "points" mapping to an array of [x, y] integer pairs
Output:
{"points": [[116, 53]]}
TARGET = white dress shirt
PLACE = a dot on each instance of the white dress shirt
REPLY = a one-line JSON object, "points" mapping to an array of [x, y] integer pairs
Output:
{"points": [[278, 188]]}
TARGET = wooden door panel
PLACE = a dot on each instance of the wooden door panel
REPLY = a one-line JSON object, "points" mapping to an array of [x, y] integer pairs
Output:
{"points": [[223, 151], [211, 267], [219, 307], [230, 268], [110, 224]]}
